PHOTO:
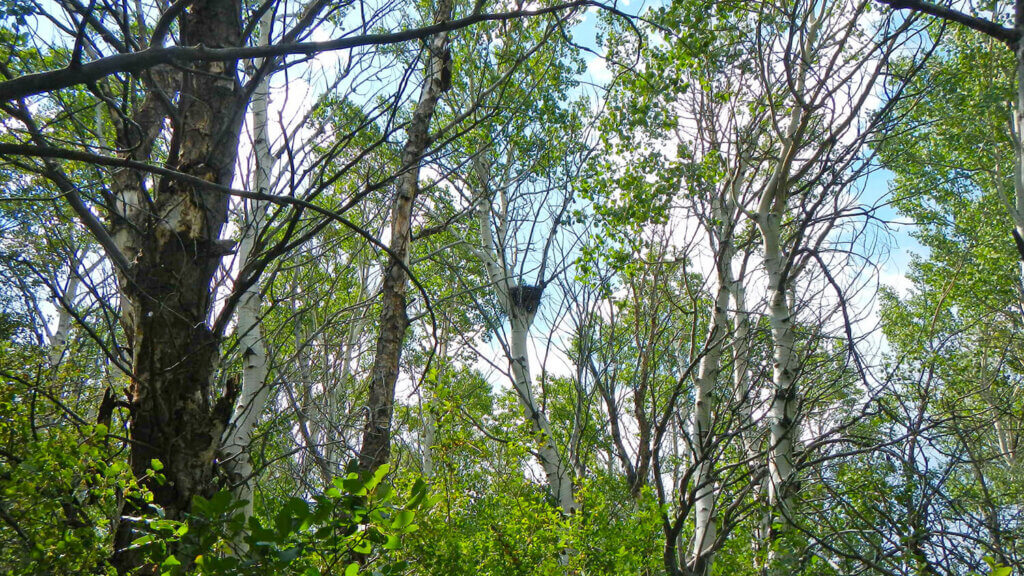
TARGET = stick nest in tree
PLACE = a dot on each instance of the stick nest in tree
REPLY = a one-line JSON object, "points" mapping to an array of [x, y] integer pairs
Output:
{"points": [[526, 297]]}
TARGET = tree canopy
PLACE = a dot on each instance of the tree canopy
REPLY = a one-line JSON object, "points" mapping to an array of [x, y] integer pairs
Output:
{"points": [[502, 288]]}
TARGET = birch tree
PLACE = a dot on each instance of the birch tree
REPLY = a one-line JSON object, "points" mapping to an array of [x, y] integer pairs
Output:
{"points": [[255, 388], [520, 300]]}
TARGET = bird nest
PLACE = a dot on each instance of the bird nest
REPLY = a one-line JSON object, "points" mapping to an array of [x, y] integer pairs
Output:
{"points": [[526, 297]]}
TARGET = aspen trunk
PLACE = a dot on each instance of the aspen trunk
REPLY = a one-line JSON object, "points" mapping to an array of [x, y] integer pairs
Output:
{"points": [[59, 338], [555, 469], [783, 410], [255, 388], [521, 313], [782, 413], [706, 522], [1016, 207], [427, 414]]}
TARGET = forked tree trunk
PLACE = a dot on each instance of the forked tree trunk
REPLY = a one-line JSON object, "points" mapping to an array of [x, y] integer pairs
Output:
{"points": [[521, 310], [376, 446], [782, 413], [170, 237]]}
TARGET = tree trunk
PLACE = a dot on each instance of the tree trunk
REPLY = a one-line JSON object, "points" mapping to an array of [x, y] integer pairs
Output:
{"points": [[555, 469], [171, 239], [702, 438], [63, 303], [783, 410], [255, 388], [742, 392], [521, 312], [427, 440], [1016, 208], [376, 446]]}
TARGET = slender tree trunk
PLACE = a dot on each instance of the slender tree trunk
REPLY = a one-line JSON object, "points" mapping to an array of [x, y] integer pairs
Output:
{"points": [[782, 413], [702, 436], [783, 410], [1016, 207], [313, 454], [618, 449], [427, 409], [521, 312], [709, 372], [255, 388], [555, 469], [376, 446], [59, 339]]}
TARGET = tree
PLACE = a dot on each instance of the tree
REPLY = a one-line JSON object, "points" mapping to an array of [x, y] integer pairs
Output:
{"points": [[994, 27], [376, 448], [956, 329]]}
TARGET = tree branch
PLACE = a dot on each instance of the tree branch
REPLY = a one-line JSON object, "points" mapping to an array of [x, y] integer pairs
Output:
{"points": [[135, 62], [1009, 36]]}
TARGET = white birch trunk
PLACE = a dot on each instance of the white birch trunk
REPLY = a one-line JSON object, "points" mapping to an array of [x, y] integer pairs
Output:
{"points": [[706, 521], [255, 388], [427, 439], [59, 338], [782, 413], [783, 410], [555, 468], [1016, 207]]}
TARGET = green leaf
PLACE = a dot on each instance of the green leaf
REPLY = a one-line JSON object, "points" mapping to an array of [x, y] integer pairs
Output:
{"points": [[392, 542], [403, 518], [288, 555], [352, 569], [362, 547], [142, 541]]}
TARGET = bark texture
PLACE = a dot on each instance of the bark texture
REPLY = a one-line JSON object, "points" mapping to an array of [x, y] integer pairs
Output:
{"points": [[702, 433], [255, 388], [376, 446], [170, 236], [63, 302]]}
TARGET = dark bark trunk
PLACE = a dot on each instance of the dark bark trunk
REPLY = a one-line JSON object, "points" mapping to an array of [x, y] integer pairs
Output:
{"points": [[171, 237], [376, 447]]}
